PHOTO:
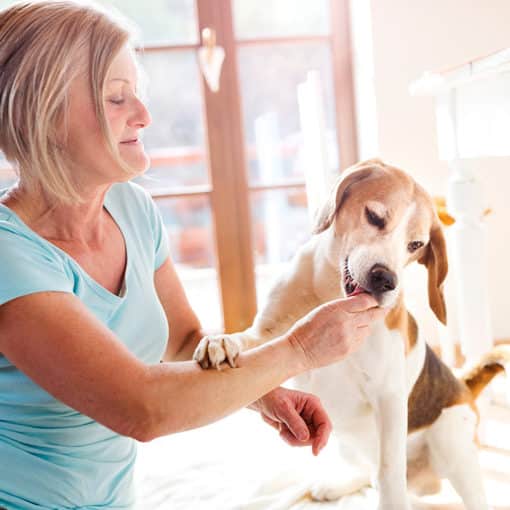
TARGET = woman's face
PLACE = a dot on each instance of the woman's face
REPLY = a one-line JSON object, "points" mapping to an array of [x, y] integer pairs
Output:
{"points": [[126, 116]]}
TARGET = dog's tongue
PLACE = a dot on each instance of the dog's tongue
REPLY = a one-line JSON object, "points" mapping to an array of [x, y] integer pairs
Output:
{"points": [[358, 290]]}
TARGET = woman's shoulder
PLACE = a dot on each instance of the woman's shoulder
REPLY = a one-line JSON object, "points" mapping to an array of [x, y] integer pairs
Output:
{"points": [[133, 205], [130, 196], [13, 229], [28, 263], [18, 241]]}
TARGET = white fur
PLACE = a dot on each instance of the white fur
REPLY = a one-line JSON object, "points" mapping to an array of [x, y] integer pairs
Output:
{"points": [[454, 454], [415, 360]]}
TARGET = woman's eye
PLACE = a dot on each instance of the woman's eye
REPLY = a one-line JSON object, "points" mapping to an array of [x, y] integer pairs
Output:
{"points": [[414, 245], [116, 101]]}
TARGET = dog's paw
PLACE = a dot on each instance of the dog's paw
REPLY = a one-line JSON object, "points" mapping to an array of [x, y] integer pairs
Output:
{"points": [[333, 490], [213, 350], [324, 492]]}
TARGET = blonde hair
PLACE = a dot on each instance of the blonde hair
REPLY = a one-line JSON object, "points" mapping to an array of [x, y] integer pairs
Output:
{"points": [[44, 45]]}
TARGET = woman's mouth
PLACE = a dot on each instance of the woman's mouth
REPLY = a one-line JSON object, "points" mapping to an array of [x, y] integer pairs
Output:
{"points": [[132, 141]]}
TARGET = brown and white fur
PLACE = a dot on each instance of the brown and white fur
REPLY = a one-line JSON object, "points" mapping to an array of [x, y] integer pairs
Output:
{"points": [[378, 221]]}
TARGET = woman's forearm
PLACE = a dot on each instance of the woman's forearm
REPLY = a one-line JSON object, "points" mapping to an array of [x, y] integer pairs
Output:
{"points": [[182, 396]]}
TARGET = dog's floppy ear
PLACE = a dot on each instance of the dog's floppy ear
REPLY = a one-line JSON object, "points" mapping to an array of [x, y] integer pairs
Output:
{"points": [[340, 192], [436, 261]]}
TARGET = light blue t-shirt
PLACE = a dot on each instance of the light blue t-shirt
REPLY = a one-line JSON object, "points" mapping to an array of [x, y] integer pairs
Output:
{"points": [[52, 456]]}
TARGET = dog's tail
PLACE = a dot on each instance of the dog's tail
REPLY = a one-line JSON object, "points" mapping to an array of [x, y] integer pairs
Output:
{"points": [[487, 368]]}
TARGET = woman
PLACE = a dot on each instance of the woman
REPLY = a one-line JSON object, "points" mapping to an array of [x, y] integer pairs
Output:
{"points": [[90, 302]]}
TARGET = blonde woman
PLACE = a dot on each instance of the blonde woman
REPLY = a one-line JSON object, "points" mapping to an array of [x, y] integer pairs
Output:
{"points": [[89, 299]]}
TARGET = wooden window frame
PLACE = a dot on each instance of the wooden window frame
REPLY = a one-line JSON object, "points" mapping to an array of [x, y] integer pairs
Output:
{"points": [[227, 152]]}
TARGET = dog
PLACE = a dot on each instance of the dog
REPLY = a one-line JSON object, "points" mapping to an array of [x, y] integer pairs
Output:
{"points": [[400, 414]]}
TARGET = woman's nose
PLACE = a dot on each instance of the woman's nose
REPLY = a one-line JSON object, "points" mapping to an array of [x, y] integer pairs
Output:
{"points": [[141, 118]]}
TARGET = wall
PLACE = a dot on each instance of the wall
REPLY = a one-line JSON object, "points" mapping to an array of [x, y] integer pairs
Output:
{"points": [[408, 38]]}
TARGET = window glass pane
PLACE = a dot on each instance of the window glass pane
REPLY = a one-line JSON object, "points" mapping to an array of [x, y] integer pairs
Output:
{"points": [[163, 178], [189, 224], [270, 108], [277, 18], [161, 21], [175, 139], [280, 224]]}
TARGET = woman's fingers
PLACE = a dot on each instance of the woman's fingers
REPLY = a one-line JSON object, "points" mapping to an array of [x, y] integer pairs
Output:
{"points": [[275, 424], [321, 437], [317, 418], [358, 303], [318, 439], [366, 317], [296, 425], [289, 437]]}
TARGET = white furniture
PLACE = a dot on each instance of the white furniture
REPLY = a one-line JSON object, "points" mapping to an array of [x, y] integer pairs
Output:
{"points": [[473, 121]]}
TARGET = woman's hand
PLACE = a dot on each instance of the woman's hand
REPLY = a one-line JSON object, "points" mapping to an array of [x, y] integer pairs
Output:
{"points": [[334, 330], [299, 417]]}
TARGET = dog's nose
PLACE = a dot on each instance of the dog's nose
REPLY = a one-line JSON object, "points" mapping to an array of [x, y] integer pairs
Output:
{"points": [[382, 279]]}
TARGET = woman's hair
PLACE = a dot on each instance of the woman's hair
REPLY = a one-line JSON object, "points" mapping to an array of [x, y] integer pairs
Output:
{"points": [[44, 45]]}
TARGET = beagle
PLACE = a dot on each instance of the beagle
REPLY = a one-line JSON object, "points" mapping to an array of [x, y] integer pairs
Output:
{"points": [[401, 416]]}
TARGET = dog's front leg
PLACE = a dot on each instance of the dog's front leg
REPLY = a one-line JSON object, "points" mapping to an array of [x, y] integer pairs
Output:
{"points": [[391, 420]]}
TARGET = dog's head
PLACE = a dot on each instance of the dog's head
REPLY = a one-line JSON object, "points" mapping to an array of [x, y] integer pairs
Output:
{"points": [[381, 221]]}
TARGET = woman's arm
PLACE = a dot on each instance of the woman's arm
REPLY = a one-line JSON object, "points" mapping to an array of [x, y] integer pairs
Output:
{"points": [[54, 340], [58, 343], [185, 328]]}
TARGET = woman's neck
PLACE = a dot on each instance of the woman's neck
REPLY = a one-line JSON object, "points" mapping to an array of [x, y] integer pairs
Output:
{"points": [[54, 220]]}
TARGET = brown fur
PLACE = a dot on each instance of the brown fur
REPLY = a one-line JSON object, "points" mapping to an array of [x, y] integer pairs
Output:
{"points": [[488, 367], [342, 189], [437, 265], [435, 389]]}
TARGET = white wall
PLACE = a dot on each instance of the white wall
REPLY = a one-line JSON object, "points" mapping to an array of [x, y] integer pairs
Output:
{"points": [[408, 38]]}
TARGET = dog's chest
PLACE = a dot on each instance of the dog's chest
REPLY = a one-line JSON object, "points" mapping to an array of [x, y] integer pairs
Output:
{"points": [[376, 364], [350, 388]]}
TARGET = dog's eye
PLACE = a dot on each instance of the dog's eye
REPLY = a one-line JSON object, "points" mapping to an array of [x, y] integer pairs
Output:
{"points": [[375, 220], [414, 245]]}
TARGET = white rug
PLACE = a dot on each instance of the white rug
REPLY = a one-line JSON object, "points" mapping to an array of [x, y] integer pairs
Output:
{"points": [[240, 463]]}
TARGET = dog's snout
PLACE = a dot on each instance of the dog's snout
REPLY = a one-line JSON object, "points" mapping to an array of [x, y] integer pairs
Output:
{"points": [[382, 279]]}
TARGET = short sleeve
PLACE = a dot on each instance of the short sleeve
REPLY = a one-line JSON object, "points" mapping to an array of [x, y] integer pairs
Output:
{"points": [[160, 235], [27, 266]]}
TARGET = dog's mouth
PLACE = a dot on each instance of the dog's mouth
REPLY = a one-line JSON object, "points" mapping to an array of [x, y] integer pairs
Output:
{"points": [[351, 286]]}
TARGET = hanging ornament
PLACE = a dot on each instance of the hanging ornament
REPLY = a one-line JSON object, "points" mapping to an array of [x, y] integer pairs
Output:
{"points": [[210, 59]]}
